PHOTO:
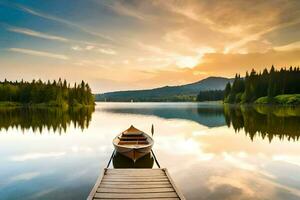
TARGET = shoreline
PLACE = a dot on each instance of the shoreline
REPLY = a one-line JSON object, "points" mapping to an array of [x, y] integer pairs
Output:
{"points": [[279, 100], [9, 104]]}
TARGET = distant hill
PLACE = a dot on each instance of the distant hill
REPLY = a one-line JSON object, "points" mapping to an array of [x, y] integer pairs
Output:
{"points": [[168, 93]]}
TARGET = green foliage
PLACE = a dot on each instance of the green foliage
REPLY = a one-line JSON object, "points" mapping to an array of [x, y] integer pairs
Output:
{"points": [[293, 99], [263, 100], [284, 99], [238, 97], [267, 85], [38, 93], [227, 90], [211, 95]]}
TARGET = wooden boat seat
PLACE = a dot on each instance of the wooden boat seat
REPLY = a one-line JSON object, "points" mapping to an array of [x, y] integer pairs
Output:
{"points": [[132, 135], [132, 138], [133, 142]]}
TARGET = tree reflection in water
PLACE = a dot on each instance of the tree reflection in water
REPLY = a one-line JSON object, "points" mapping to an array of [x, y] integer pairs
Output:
{"points": [[262, 121], [265, 121], [38, 119]]}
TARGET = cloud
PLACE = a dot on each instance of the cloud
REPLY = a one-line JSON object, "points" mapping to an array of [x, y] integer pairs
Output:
{"points": [[184, 8], [39, 53], [63, 21], [25, 176], [33, 33], [85, 48], [76, 48], [258, 35], [229, 64], [135, 9], [233, 21], [89, 47], [124, 10], [220, 64], [288, 47], [173, 42], [107, 51], [34, 156], [94, 48]]}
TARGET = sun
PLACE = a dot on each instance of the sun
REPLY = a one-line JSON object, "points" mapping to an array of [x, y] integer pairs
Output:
{"points": [[187, 61]]}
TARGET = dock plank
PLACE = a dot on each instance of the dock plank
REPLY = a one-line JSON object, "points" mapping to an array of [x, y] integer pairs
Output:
{"points": [[136, 195], [134, 183], [144, 190], [135, 175], [147, 199], [103, 185], [150, 184], [135, 179]]}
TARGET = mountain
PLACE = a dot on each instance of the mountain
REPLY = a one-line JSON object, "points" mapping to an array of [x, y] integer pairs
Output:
{"points": [[168, 93]]}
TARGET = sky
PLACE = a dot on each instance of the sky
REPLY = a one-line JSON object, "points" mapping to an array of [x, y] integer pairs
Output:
{"points": [[122, 44]]}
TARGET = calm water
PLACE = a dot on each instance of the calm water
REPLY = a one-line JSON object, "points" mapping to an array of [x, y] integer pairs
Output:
{"points": [[211, 151]]}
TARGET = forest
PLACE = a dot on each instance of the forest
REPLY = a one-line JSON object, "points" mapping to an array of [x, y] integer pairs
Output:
{"points": [[267, 87], [210, 95], [57, 93]]}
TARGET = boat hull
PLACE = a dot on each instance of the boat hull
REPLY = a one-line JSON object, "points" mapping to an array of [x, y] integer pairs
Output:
{"points": [[133, 153]]}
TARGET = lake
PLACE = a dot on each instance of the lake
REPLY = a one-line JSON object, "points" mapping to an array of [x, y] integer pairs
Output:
{"points": [[211, 151]]}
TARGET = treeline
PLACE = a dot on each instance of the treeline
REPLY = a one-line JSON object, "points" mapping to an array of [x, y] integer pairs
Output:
{"points": [[267, 84], [210, 95], [56, 93]]}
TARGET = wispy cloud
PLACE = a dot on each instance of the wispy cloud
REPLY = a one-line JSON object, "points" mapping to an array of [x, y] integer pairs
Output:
{"points": [[38, 34], [33, 33], [107, 51], [258, 35], [95, 49], [288, 47], [39, 53], [121, 9], [152, 48], [34, 156], [63, 21], [24, 176]]}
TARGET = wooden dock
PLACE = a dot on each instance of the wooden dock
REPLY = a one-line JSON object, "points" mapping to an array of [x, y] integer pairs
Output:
{"points": [[135, 184]]}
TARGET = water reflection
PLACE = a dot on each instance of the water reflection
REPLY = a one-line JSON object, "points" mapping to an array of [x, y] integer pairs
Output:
{"points": [[120, 161], [205, 163], [38, 119], [264, 121], [210, 115]]}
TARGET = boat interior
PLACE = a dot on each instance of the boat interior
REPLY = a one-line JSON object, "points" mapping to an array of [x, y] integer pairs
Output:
{"points": [[129, 139]]}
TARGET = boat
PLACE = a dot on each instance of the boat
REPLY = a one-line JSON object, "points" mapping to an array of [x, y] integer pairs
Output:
{"points": [[133, 143]]}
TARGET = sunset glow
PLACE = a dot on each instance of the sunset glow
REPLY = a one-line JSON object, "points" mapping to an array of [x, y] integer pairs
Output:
{"points": [[118, 45]]}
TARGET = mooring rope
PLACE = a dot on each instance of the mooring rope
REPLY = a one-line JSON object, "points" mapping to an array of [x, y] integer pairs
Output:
{"points": [[156, 161], [111, 157]]}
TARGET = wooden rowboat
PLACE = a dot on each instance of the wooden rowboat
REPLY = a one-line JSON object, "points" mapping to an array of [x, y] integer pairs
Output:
{"points": [[133, 143]]}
